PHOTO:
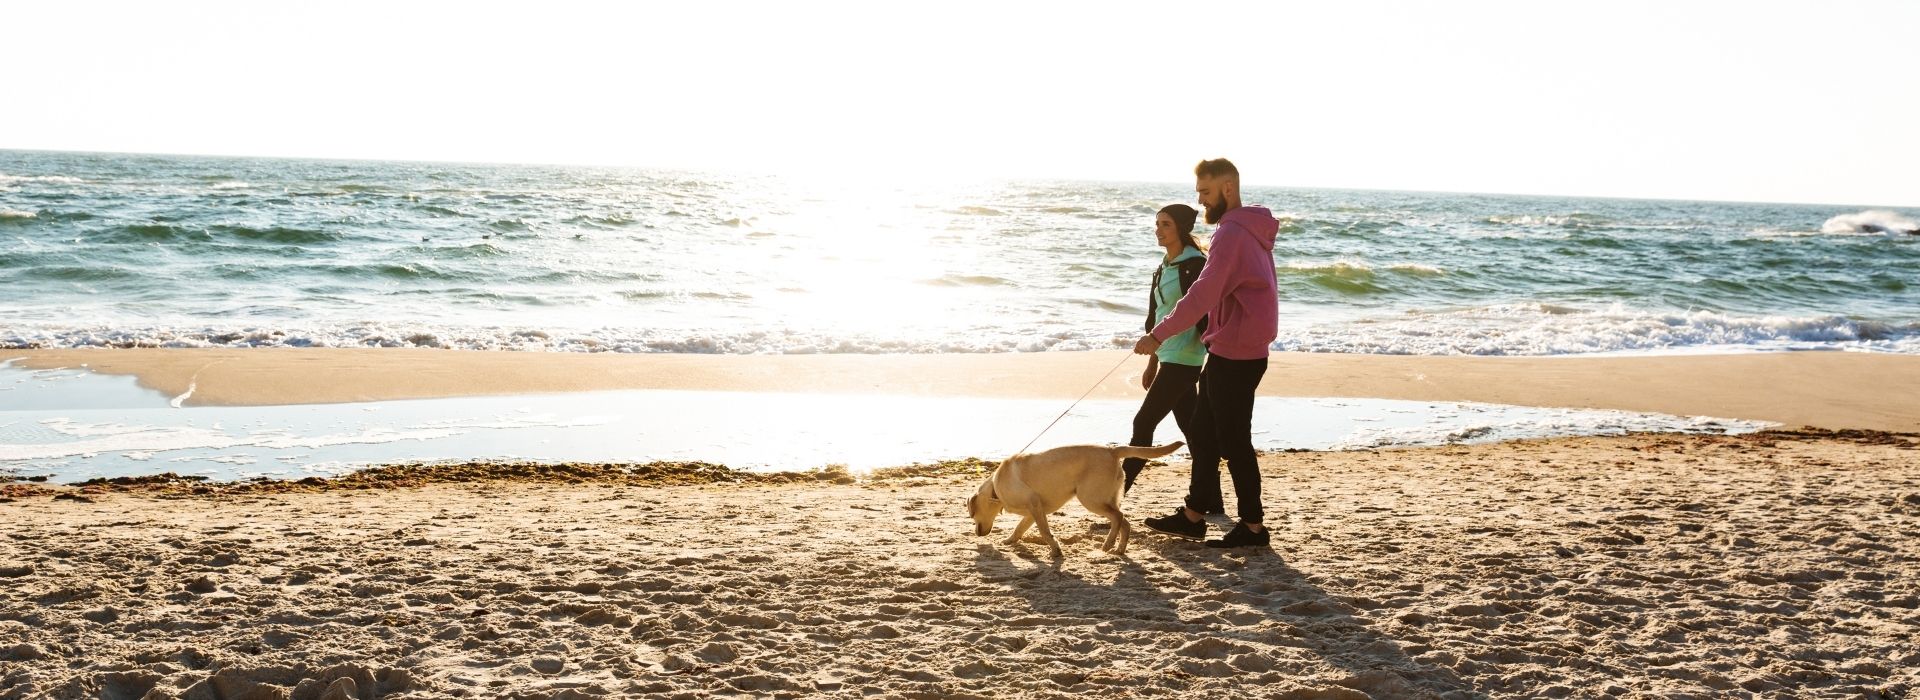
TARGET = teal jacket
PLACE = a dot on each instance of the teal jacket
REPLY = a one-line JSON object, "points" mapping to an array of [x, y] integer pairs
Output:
{"points": [[1171, 280]]}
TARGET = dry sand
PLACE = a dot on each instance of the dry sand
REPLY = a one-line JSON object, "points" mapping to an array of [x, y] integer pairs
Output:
{"points": [[1771, 565], [1820, 389]]}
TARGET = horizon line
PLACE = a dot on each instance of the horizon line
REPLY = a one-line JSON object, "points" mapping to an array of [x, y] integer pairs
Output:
{"points": [[777, 172]]}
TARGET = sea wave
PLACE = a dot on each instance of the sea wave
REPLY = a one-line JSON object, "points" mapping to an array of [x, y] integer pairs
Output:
{"points": [[1357, 269], [78, 273], [542, 340], [1338, 268], [6, 179], [1871, 222], [147, 232], [1352, 277], [970, 281], [1499, 330], [1548, 329], [609, 221], [977, 211], [1570, 220], [278, 234], [1417, 269]]}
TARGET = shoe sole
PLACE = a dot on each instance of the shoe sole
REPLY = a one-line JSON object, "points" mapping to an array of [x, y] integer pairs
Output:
{"points": [[1222, 544], [1180, 535]]}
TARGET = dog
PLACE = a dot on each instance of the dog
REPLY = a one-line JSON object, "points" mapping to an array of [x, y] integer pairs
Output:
{"points": [[1033, 485]]}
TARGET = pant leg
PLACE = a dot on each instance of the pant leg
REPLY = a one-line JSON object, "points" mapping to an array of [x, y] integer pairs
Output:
{"points": [[1172, 388], [1231, 394], [1183, 410], [1203, 444]]}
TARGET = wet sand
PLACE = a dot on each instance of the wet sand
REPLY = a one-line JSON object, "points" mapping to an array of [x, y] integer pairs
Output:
{"points": [[1820, 389], [1769, 565]]}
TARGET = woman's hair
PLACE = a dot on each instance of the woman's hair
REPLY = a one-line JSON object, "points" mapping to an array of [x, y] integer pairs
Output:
{"points": [[1183, 217]]}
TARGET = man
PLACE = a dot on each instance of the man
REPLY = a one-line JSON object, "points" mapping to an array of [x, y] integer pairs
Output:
{"points": [[1236, 292]]}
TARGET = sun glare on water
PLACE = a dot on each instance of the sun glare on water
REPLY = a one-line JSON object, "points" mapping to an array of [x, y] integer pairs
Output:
{"points": [[839, 258]]}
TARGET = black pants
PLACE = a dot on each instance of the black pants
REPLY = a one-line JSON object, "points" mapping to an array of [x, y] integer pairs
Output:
{"points": [[1173, 391], [1223, 429]]}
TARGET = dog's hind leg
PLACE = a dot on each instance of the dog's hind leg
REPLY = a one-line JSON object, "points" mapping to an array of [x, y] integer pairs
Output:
{"points": [[1040, 519], [1118, 531]]}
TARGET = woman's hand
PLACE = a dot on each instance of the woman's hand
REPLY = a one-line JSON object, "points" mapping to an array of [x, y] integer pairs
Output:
{"points": [[1153, 368]]}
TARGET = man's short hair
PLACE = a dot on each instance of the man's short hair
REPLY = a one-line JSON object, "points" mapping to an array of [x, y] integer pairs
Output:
{"points": [[1217, 167]]}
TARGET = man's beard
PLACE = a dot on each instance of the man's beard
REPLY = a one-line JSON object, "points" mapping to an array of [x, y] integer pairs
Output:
{"points": [[1216, 208]]}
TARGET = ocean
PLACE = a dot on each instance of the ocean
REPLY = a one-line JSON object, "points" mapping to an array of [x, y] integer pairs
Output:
{"points": [[179, 251]]}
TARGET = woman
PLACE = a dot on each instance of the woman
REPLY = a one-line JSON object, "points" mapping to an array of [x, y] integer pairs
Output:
{"points": [[1174, 369]]}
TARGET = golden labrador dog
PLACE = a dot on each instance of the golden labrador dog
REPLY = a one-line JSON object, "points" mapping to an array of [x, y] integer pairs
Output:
{"points": [[1033, 485]]}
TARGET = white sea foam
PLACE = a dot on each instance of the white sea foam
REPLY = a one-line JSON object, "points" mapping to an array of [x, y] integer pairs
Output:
{"points": [[6, 179], [1348, 267], [1540, 329], [16, 214], [633, 340], [1507, 329], [1535, 219], [1871, 222], [1343, 267], [182, 398], [1417, 269], [1468, 423], [1528, 220]]}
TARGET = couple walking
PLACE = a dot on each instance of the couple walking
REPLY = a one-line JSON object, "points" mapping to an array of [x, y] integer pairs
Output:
{"points": [[1210, 320]]}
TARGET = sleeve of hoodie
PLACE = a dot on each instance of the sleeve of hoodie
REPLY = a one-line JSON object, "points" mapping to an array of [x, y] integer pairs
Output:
{"points": [[1229, 253]]}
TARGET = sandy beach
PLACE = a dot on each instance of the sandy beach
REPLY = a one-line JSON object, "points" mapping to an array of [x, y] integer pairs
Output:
{"points": [[1777, 564], [1769, 565], [1835, 390]]}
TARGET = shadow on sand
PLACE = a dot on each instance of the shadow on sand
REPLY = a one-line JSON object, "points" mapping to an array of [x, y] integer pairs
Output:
{"points": [[1242, 616]]}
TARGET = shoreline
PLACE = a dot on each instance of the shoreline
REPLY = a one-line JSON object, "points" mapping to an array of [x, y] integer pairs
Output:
{"points": [[665, 473], [1831, 390]]}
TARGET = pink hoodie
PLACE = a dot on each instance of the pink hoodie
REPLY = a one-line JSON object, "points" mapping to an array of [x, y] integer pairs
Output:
{"points": [[1236, 290]]}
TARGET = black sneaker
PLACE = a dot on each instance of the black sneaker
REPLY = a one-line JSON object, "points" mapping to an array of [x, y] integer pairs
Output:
{"points": [[1178, 525], [1240, 536]]}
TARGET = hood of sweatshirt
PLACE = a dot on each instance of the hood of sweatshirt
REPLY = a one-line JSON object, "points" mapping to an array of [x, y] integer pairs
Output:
{"points": [[1257, 221], [1189, 252]]}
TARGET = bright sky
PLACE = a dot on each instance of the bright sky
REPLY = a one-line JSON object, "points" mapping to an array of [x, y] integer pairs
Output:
{"points": [[1754, 100]]}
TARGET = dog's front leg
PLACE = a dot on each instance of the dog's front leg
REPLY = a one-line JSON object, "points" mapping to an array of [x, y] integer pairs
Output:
{"points": [[1019, 530]]}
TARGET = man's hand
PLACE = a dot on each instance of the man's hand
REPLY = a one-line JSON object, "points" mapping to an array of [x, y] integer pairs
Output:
{"points": [[1153, 368], [1147, 345]]}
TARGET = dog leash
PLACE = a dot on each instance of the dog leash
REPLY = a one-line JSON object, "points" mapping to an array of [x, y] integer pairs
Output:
{"points": [[1076, 402]]}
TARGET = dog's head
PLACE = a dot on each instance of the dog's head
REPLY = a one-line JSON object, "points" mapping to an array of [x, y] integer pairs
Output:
{"points": [[983, 506]]}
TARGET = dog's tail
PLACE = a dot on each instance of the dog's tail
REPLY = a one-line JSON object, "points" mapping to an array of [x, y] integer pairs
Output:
{"points": [[1147, 452]]}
